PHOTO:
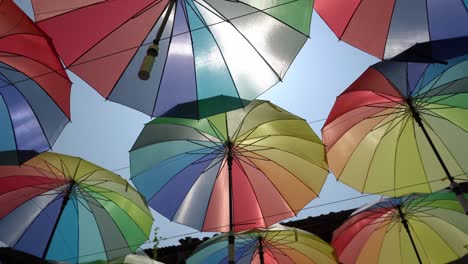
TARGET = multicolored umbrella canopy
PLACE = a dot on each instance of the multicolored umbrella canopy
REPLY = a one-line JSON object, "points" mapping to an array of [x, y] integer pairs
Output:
{"points": [[205, 48], [60, 207], [401, 128], [181, 167], [34, 88], [386, 28], [396, 230], [277, 244]]}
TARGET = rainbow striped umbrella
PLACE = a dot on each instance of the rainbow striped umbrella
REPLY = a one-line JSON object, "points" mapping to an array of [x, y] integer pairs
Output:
{"points": [[189, 50], [59, 207], [402, 128], [276, 245], [429, 228], [238, 170]]}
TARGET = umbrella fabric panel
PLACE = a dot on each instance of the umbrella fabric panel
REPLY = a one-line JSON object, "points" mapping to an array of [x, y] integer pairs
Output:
{"points": [[51, 118], [36, 60], [44, 9], [7, 141], [397, 26], [27, 130], [35, 237], [19, 220], [296, 14], [64, 242]]}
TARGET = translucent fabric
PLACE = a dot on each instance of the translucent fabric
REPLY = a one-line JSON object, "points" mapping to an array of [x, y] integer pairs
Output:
{"points": [[375, 233], [374, 142], [208, 50], [102, 219], [280, 245], [279, 166], [34, 88], [384, 29]]}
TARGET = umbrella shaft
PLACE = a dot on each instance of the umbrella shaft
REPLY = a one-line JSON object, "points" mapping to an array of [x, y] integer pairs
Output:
{"points": [[260, 250], [405, 224], [418, 119], [231, 246], [64, 204], [453, 185], [164, 22]]}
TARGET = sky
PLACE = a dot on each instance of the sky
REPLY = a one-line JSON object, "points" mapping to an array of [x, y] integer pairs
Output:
{"points": [[103, 132]]}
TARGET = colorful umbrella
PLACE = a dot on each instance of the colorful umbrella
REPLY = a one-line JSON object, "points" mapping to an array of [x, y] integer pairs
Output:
{"points": [[278, 244], [204, 48], [34, 88], [386, 28], [238, 170], [60, 207], [438, 51], [401, 128], [426, 228]]}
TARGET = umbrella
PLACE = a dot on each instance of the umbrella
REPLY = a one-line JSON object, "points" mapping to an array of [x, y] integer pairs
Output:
{"points": [[278, 244], [427, 228], [60, 207], [438, 51], [238, 170], [401, 128], [34, 88], [204, 48], [386, 28]]}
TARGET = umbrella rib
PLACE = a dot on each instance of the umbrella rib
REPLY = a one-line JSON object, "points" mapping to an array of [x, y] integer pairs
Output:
{"points": [[268, 8], [434, 82], [115, 224], [125, 212], [140, 46], [241, 123], [209, 199], [217, 45], [253, 191], [165, 62], [276, 188], [71, 64], [395, 153], [389, 128], [218, 133], [443, 143], [248, 41], [32, 109], [14, 54]]}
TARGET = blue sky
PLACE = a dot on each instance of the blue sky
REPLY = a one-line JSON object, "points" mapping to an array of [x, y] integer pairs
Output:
{"points": [[103, 132]]}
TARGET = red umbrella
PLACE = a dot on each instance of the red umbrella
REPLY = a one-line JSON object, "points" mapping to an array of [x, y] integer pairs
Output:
{"points": [[34, 88]]}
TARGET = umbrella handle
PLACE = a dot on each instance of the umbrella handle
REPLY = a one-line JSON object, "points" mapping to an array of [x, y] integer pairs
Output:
{"points": [[153, 49], [148, 62]]}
